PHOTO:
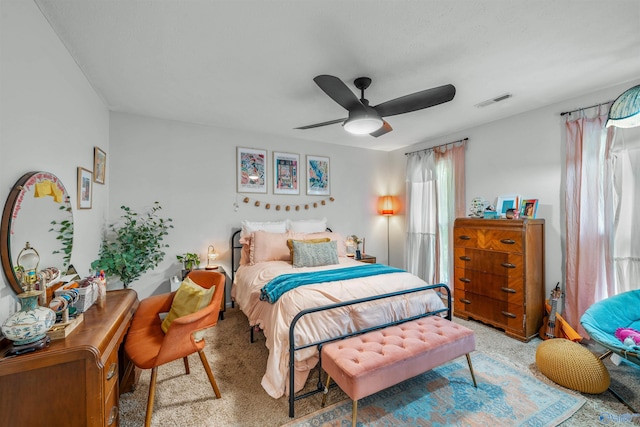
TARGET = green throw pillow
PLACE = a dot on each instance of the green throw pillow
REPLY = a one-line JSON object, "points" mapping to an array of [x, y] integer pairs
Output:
{"points": [[190, 297], [314, 254]]}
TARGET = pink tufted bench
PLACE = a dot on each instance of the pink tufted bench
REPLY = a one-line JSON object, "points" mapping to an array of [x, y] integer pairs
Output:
{"points": [[365, 364]]}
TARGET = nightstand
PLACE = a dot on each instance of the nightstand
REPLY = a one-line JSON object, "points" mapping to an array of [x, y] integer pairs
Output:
{"points": [[368, 259]]}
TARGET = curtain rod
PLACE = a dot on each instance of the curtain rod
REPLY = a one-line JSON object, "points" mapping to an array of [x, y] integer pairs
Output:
{"points": [[436, 146], [585, 108]]}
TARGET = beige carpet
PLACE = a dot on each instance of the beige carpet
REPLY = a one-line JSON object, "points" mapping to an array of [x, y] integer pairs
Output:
{"points": [[188, 400]]}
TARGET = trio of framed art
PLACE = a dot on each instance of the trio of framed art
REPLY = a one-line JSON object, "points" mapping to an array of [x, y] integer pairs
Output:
{"points": [[253, 167], [86, 178], [527, 208]]}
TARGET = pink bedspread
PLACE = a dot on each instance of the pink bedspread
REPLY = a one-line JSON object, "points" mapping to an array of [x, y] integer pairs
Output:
{"points": [[274, 319]]}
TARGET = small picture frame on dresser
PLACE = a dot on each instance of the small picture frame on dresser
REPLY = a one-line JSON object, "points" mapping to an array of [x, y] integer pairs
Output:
{"points": [[528, 208], [505, 203]]}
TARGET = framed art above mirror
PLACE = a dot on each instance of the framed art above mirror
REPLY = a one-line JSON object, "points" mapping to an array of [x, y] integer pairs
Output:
{"points": [[37, 215]]}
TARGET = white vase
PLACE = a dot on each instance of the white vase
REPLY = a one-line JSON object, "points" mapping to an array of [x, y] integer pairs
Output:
{"points": [[31, 323]]}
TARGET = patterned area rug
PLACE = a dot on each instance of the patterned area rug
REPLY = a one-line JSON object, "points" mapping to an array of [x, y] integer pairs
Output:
{"points": [[445, 396]]}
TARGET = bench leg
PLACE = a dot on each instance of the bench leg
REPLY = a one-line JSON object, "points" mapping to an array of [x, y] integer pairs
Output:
{"points": [[354, 413], [326, 391], [473, 377]]}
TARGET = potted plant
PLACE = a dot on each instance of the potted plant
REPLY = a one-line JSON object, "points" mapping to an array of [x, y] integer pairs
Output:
{"points": [[189, 260], [134, 245]]}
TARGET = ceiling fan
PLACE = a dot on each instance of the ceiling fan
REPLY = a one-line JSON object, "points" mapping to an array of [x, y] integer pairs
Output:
{"points": [[364, 118]]}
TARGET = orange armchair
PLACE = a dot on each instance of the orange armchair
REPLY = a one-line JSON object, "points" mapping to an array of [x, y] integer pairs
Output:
{"points": [[149, 347]]}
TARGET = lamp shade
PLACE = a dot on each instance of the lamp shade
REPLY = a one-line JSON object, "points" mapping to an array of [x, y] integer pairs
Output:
{"points": [[625, 110], [387, 205], [362, 122]]}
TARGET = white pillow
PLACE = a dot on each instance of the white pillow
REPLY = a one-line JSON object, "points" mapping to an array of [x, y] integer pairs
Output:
{"points": [[249, 227], [308, 225]]}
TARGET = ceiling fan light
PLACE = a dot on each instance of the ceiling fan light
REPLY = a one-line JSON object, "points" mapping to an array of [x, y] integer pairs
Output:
{"points": [[362, 124], [625, 111]]}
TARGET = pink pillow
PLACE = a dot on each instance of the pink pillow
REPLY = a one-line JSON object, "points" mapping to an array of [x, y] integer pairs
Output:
{"points": [[267, 246], [245, 258], [342, 248]]}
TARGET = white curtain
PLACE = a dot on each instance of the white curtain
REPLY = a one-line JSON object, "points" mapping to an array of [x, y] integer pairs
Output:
{"points": [[435, 196], [590, 211], [626, 252]]}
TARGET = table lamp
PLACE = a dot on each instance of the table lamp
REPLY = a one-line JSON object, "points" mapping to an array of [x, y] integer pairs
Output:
{"points": [[211, 257]]}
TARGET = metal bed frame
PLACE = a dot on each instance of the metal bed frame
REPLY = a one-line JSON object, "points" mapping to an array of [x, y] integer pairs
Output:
{"points": [[236, 247]]}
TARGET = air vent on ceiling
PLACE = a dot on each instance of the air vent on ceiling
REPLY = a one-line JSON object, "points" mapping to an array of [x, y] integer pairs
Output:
{"points": [[494, 100]]}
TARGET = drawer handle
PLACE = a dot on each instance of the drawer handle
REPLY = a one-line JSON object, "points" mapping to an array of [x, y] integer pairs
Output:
{"points": [[113, 415], [465, 258], [465, 237], [113, 369], [464, 280], [508, 265], [465, 301], [511, 315], [508, 290], [508, 241]]}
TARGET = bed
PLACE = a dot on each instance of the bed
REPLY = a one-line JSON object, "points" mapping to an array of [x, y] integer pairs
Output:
{"points": [[258, 257]]}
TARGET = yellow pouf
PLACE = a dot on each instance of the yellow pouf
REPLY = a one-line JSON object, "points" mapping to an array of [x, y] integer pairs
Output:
{"points": [[573, 366]]}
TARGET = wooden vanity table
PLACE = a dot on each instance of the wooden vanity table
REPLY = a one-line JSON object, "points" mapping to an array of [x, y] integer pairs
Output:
{"points": [[76, 381]]}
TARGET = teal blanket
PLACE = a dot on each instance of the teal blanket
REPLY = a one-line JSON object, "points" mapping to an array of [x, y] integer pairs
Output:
{"points": [[285, 282]]}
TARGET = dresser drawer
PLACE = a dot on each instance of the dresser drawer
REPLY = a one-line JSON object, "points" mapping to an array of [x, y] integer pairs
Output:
{"points": [[498, 263], [111, 370], [111, 409], [465, 237], [498, 313], [502, 288], [502, 240]]}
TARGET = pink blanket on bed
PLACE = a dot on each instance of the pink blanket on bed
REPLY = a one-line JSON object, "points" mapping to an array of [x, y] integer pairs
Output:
{"points": [[275, 319]]}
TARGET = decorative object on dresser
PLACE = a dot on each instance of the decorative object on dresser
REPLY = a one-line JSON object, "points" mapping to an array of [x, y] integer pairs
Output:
{"points": [[505, 203], [79, 379], [499, 273], [153, 342], [528, 208]]}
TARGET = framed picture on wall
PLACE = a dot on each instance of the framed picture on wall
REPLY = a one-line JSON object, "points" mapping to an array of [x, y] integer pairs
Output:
{"points": [[505, 203], [85, 188], [251, 170], [286, 167], [318, 176], [99, 165], [528, 208]]}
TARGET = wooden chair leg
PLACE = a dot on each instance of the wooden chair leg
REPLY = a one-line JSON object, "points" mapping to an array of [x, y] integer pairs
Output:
{"points": [[152, 395], [207, 369], [186, 365], [473, 377]]}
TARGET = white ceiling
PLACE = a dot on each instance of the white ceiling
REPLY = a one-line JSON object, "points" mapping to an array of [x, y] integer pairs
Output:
{"points": [[249, 64]]}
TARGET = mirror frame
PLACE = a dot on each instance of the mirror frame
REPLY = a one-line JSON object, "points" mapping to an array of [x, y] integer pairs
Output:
{"points": [[6, 226]]}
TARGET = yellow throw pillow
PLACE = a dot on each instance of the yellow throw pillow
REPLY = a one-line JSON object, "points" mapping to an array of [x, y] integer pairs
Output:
{"points": [[190, 297], [290, 243]]}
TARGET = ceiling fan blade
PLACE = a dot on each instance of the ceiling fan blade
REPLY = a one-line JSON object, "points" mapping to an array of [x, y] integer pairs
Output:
{"points": [[416, 101], [386, 128], [338, 91], [316, 125]]}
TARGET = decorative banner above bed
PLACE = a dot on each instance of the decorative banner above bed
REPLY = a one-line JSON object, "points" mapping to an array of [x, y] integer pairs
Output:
{"points": [[258, 203]]}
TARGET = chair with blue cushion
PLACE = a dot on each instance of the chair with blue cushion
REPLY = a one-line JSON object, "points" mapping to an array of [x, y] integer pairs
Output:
{"points": [[603, 318]]}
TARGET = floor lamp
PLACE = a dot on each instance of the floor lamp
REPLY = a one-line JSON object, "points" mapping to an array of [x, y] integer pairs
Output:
{"points": [[387, 207]]}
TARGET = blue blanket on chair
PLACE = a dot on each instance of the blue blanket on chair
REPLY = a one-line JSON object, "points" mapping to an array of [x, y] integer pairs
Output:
{"points": [[285, 282]]}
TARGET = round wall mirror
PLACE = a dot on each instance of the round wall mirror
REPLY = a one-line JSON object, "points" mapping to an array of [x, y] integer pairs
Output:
{"points": [[36, 218]]}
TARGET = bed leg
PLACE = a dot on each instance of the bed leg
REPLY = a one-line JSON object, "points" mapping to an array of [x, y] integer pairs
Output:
{"points": [[326, 391]]}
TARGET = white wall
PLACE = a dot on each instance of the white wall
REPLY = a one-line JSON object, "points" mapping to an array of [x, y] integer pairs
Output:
{"points": [[523, 155], [191, 170], [50, 120]]}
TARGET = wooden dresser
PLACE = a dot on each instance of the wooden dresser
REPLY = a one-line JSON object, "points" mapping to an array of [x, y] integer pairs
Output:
{"points": [[76, 381], [499, 273]]}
